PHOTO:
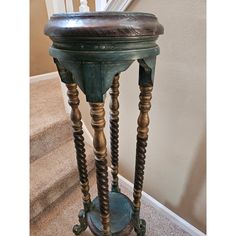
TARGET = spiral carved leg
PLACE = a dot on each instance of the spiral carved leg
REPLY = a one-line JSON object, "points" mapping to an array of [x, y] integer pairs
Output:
{"points": [[100, 151], [114, 132], [80, 151], [142, 137]]}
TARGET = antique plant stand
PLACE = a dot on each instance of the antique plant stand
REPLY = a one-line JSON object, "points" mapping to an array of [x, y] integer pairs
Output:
{"points": [[91, 50]]}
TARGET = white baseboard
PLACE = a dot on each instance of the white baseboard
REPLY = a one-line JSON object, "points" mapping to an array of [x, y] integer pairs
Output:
{"points": [[183, 224], [46, 76]]}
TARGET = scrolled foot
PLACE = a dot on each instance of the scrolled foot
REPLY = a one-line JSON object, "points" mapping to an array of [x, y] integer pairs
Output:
{"points": [[140, 229], [78, 229]]}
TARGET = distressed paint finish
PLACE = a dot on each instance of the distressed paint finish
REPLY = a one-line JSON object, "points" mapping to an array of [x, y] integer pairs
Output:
{"points": [[103, 24], [94, 47], [94, 78], [91, 50]]}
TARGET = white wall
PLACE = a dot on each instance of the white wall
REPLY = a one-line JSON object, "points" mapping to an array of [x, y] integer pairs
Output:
{"points": [[175, 167]]}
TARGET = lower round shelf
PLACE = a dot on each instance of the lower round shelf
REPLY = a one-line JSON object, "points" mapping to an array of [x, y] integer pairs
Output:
{"points": [[121, 211]]}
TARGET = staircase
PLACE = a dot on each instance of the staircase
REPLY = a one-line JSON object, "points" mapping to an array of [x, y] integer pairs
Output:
{"points": [[53, 168]]}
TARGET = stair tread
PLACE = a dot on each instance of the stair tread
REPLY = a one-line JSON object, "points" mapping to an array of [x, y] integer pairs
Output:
{"points": [[49, 139], [46, 105], [50, 125], [53, 168], [35, 132]]}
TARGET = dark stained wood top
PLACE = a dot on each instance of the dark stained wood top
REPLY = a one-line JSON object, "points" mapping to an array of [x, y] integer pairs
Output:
{"points": [[103, 24]]}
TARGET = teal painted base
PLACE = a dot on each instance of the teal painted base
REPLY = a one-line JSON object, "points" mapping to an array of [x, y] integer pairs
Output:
{"points": [[120, 214]]}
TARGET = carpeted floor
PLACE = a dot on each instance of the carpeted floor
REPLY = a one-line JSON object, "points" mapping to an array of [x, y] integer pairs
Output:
{"points": [[60, 218]]}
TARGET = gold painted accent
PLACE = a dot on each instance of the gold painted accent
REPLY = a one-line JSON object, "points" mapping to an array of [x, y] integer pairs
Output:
{"points": [[114, 131], [142, 137], [79, 142], [99, 143]]}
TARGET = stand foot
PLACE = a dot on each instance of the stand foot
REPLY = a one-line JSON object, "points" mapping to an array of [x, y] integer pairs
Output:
{"points": [[140, 228], [78, 229]]}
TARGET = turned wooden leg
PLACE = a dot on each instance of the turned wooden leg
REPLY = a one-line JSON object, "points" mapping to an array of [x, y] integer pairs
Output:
{"points": [[100, 151], [114, 132], [142, 137], [80, 154]]}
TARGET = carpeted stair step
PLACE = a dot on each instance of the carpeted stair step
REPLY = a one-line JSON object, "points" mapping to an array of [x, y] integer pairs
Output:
{"points": [[50, 126], [50, 138], [53, 175]]}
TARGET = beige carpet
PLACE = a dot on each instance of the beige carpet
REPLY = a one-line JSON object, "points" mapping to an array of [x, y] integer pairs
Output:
{"points": [[50, 126], [60, 218], [46, 105]]}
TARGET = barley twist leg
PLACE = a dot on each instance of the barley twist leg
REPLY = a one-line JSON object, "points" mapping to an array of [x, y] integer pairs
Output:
{"points": [[142, 137], [100, 151], [114, 132], [80, 155]]}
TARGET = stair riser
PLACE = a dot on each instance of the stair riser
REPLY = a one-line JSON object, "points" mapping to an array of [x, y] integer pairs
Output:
{"points": [[49, 139]]}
